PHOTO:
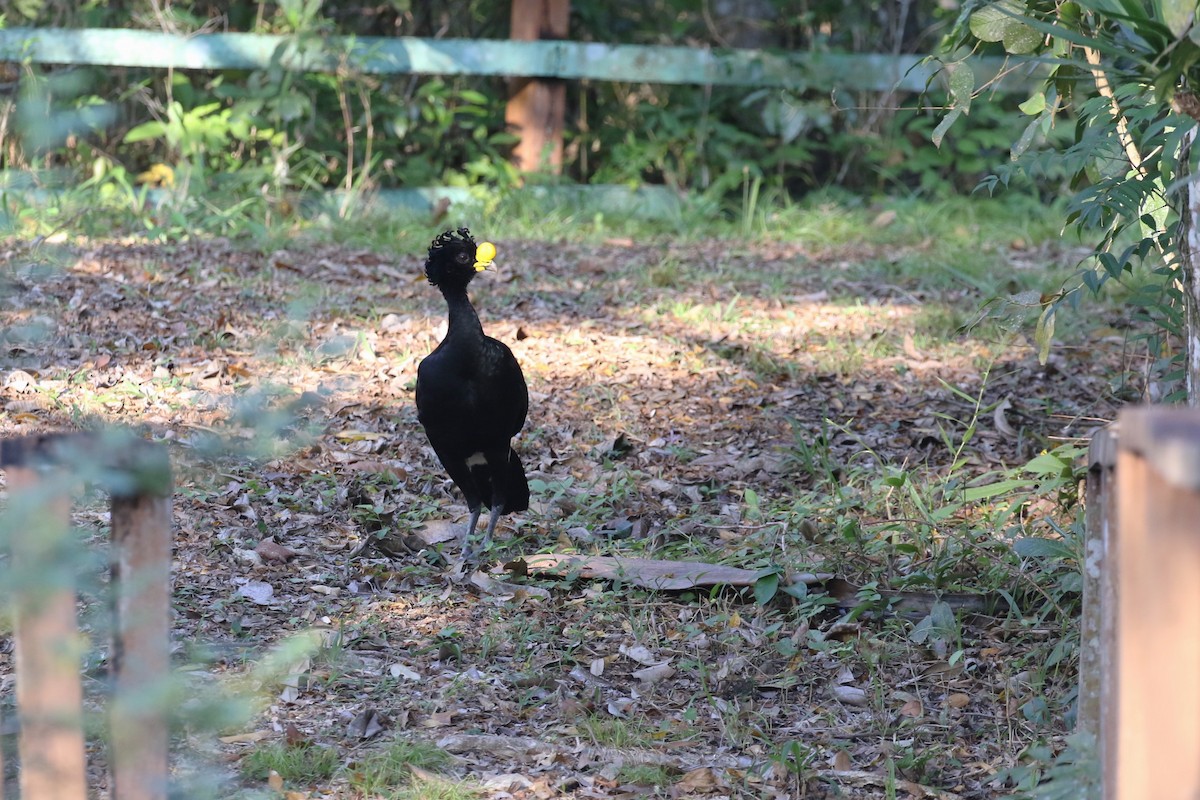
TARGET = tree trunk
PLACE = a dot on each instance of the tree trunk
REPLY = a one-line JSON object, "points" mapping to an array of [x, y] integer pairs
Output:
{"points": [[1189, 222]]}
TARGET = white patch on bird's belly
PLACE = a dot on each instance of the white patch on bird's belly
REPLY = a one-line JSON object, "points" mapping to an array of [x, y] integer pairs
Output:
{"points": [[476, 460]]}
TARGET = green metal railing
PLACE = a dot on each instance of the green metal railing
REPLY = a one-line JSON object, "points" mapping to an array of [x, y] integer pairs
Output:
{"points": [[569, 60], [558, 59]]}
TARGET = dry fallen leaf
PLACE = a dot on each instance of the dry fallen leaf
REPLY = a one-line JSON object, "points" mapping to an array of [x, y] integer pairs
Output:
{"points": [[640, 654], [440, 208], [884, 218], [294, 736], [508, 783], [258, 592], [850, 695], [1001, 421], [400, 670], [542, 789], [246, 738], [703, 779], [271, 550], [436, 531], [366, 724], [359, 436], [654, 673], [621, 706], [19, 381], [439, 719], [291, 682]]}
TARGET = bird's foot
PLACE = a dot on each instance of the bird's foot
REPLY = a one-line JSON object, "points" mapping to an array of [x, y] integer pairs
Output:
{"points": [[460, 572], [473, 553], [467, 560]]}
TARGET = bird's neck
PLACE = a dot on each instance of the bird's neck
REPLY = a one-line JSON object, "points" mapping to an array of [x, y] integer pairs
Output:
{"points": [[464, 322]]}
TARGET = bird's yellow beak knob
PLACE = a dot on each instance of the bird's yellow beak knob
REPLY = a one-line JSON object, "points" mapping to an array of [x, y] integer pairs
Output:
{"points": [[484, 255]]}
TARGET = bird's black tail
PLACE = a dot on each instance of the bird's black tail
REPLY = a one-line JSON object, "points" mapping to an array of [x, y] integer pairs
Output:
{"points": [[517, 490]]}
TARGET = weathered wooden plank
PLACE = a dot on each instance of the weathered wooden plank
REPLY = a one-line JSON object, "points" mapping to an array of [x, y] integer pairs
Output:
{"points": [[1152, 718], [537, 106], [551, 59], [49, 690], [138, 476], [140, 664], [1097, 646]]}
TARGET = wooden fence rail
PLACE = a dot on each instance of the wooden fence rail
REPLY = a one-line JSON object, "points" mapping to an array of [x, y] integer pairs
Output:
{"points": [[40, 472]]}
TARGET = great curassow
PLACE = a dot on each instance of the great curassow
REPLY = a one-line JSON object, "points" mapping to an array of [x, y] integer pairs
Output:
{"points": [[471, 394]]}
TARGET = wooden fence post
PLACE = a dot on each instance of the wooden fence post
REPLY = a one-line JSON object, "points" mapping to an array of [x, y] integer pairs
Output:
{"points": [[537, 106], [49, 692], [140, 663], [1151, 710], [1097, 649]]}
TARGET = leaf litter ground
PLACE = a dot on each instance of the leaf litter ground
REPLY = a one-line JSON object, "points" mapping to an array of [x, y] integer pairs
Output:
{"points": [[712, 401]]}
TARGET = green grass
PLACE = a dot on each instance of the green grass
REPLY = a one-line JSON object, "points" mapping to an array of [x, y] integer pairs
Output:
{"points": [[646, 775], [298, 765], [822, 221], [434, 788], [613, 732], [388, 771]]}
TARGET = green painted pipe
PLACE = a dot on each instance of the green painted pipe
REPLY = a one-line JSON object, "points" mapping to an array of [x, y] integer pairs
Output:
{"points": [[118, 47]]}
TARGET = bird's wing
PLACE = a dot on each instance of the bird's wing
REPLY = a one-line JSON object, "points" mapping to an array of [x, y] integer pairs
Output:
{"points": [[508, 384]]}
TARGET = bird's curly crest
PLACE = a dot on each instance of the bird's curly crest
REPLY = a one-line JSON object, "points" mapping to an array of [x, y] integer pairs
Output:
{"points": [[449, 237]]}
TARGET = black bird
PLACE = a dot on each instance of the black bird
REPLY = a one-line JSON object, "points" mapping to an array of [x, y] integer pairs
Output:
{"points": [[471, 395]]}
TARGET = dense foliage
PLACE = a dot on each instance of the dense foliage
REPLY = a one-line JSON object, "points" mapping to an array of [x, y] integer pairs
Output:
{"points": [[1121, 84], [278, 131], [1122, 81]]}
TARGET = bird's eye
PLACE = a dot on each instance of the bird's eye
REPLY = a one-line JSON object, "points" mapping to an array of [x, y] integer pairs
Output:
{"points": [[461, 258]]}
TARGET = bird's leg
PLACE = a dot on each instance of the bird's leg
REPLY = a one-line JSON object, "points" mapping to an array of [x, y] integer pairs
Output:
{"points": [[491, 527], [466, 541], [470, 551]]}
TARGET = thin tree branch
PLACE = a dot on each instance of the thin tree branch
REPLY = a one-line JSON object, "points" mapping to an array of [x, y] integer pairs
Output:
{"points": [[1104, 87]]}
